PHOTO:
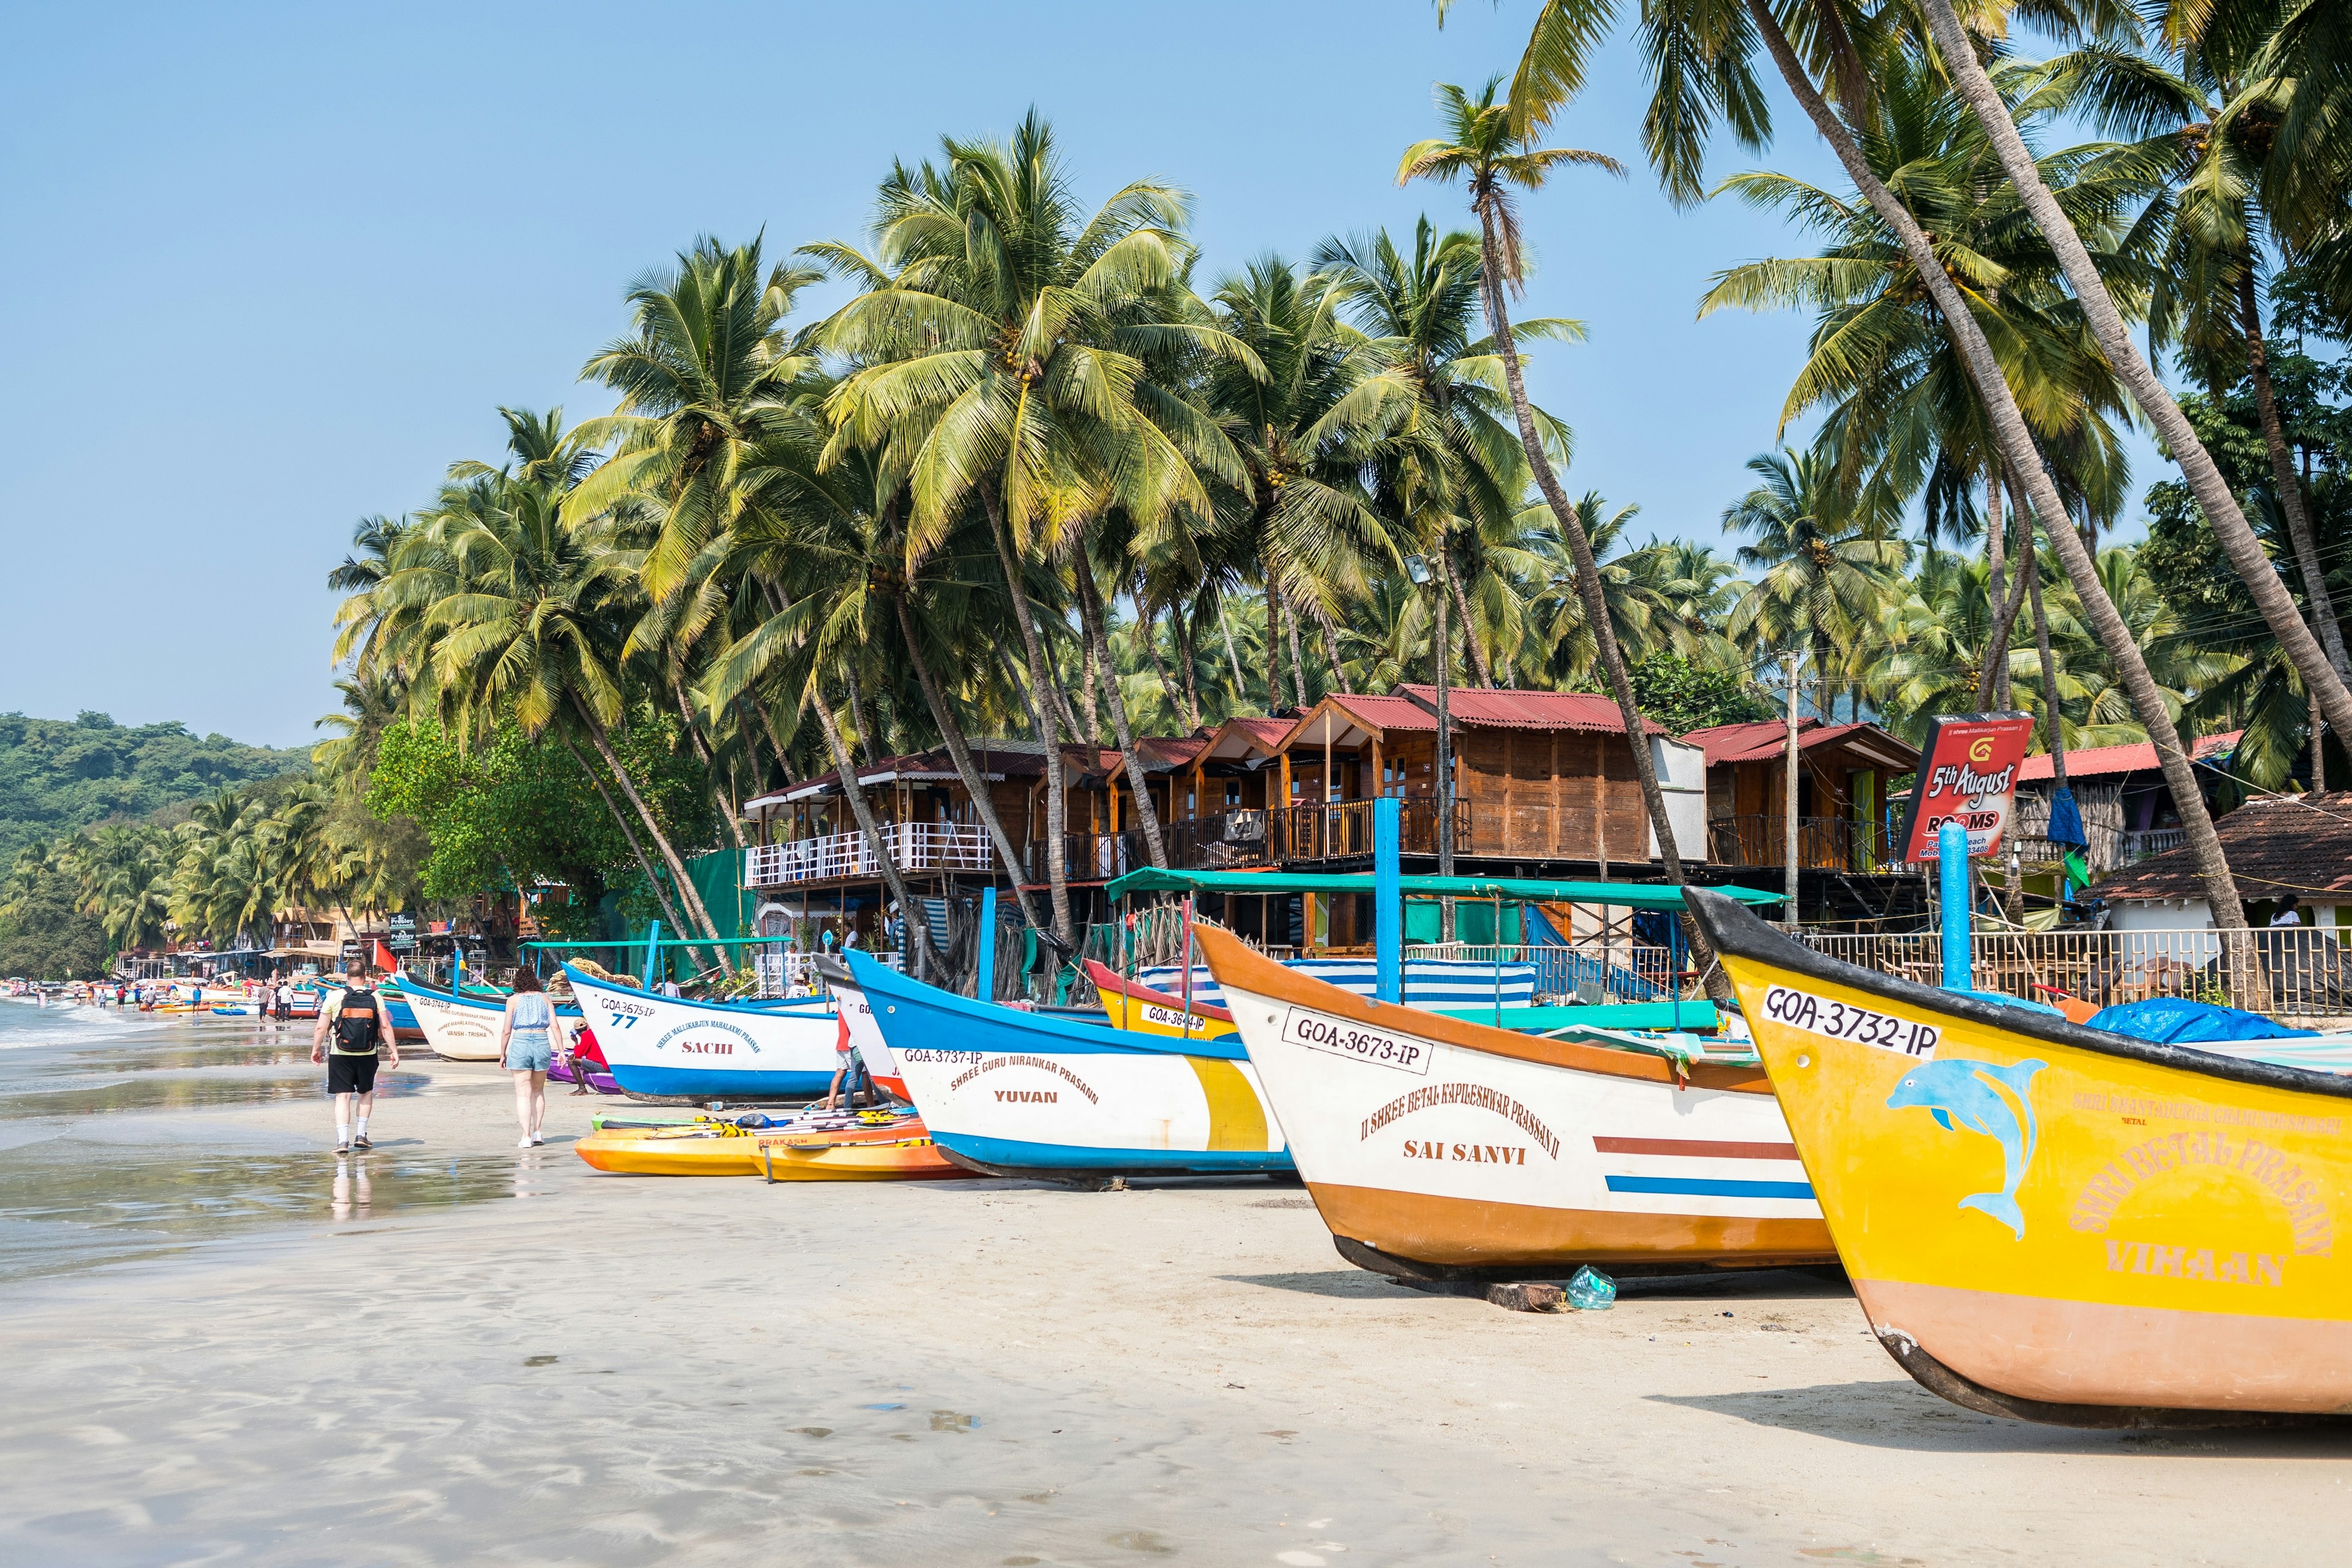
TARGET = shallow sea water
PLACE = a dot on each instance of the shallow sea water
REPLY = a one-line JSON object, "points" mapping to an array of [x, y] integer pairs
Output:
{"points": [[110, 1149]]}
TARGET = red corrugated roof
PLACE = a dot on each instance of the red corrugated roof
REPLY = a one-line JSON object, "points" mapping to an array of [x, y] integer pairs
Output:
{"points": [[1530, 709], [1761, 740], [2137, 757], [1389, 713]]}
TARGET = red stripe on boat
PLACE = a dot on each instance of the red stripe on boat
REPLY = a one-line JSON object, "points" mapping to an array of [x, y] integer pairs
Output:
{"points": [[1695, 1148]]}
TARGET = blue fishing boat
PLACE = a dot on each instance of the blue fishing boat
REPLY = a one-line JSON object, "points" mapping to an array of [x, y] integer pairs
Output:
{"points": [[1005, 1091]]}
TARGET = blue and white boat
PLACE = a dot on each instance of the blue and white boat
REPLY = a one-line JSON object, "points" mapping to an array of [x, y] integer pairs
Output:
{"points": [[1009, 1092], [668, 1047]]}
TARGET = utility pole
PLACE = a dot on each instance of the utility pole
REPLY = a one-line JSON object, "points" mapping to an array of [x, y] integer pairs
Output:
{"points": [[1789, 664]]}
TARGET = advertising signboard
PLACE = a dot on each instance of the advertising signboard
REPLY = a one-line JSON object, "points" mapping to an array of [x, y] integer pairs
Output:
{"points": [[1968, 774]]}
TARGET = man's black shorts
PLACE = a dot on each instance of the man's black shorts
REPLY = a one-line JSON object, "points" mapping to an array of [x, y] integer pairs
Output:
{"points": [[350, 1074]]}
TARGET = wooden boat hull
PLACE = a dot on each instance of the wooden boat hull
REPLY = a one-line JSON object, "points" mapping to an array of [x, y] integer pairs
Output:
{"points": [[665, 1046], [1005, 1091], [2053, 1222], [1446, 1147]]}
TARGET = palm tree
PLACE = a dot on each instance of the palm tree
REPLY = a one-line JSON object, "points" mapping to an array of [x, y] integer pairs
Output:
{"points": [[2222, 513], [1646, 614], [523, 614], [1483, 149], [1701, 60], [1444, 461], [1903, 415], [2213, 131], [1304, 522], [1828, 572], [1002, 342]]}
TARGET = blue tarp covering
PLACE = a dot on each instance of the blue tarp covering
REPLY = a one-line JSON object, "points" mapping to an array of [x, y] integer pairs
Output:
{"points": [[2177, 1021], [2065, 822]]}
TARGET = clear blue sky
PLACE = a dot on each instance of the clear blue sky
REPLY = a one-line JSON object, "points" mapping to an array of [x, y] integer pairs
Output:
{"points": [[268, 270]]}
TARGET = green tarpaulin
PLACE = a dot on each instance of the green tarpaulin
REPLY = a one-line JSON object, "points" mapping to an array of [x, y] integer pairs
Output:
{"points": [[1616, 895]]}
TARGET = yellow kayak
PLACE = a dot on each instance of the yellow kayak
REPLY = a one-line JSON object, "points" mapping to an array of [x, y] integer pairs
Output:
{"points": [[2056, 1223], [778, 1156]]}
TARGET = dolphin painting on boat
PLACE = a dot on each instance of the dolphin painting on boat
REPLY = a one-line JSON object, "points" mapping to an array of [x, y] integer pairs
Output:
{"points": [[1953, 1089]]}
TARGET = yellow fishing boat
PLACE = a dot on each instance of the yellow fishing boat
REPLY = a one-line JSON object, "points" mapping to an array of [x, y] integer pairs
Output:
{"points": [[2056, 1223], [1146, 1010]]}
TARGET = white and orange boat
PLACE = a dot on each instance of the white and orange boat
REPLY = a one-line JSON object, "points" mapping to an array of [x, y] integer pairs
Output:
{"points": [[1437, 1148], [2052, 1222]]}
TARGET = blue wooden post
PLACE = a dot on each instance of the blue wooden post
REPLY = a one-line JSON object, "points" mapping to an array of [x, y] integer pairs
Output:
{"points": [[1673, 960], [1387, 899], [983, 982], [1952, 852], [652, 951]]}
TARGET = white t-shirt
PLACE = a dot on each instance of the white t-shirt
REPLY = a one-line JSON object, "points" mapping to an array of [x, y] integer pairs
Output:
{"points": [[2287, 917]]}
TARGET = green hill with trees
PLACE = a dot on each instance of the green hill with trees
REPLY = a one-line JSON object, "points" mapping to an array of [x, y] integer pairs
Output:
{"points": [[59, 775]]}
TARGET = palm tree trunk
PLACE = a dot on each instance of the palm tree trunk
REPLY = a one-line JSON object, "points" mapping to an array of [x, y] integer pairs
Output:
{"points": [[1181, 625], [1089, 681], [1090, 618], [685, 884], [1057, 848], [653, 880], [1993, 687], [710, 763], [1470, 649], [1331, 650], [1146, 632], [861, 716], [2283, 478], [2054, 726], [1297, 657], [1273, 644], [925, 957], [2005, 613], [1241, 687], [959, 750], [2025, 464], [2205, 481], [1596, 604], [1445, 765]]}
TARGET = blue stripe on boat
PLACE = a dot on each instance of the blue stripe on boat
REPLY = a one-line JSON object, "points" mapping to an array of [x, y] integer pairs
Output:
{"points": [[702, 1083], [1709, 1187], [939, 1020], [1011, 1154]]}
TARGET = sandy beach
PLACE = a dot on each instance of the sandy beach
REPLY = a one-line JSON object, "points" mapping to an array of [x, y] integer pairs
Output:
{"points": [[227, 1346]]}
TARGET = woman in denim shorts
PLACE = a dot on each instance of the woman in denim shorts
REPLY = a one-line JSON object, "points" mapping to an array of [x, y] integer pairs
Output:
{"points": [[528, 1044]]}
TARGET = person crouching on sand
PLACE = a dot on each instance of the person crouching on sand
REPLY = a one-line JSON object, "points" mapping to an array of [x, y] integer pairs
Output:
{"points": [[527, 1044], [353, 1020]]}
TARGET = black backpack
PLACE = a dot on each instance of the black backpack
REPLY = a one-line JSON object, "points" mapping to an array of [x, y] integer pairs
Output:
{"points": [[356, 1025]]}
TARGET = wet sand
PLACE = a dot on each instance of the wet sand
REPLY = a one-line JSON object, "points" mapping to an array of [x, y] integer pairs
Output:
{"points": [[226, 1346]]}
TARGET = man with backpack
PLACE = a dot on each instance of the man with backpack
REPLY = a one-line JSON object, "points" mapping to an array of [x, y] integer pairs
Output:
{"points": [[348, 1034]]}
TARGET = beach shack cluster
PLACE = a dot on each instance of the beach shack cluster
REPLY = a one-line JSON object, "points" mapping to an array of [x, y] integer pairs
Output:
{"points": [[1543, 786], [2116, 1212]]}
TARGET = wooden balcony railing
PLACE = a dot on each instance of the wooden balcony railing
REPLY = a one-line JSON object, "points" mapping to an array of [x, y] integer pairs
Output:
{"points": [[912, 847], [1218, 842], [1343, 830], [1824, 842]]}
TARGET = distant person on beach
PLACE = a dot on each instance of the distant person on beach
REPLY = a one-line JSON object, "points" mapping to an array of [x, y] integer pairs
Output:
{"points": [[353, 1019], [285, 1000], [527, 1044]]}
